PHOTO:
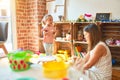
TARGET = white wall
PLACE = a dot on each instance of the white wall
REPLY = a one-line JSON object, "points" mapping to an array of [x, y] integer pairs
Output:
{"points": [[75, 8], [54, 10], [13, 23], [78, 7]]}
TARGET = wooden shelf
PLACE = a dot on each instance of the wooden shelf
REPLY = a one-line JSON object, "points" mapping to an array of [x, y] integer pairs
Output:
{"points": [[113, 46], [81, 42], [64, 41], [109, 30], [62, 29], [112, 30], [40, 38], [63, 22]]}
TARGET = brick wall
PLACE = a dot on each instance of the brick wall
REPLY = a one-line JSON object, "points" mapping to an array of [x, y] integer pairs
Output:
{"points": [[29, 14]]}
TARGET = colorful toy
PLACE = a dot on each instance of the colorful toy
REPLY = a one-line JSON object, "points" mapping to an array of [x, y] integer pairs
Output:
{"points": [[19, 60], [55, 69], [81, 19]]}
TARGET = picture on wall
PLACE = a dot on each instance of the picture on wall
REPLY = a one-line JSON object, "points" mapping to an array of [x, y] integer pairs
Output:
{"points": [[102, 17]]}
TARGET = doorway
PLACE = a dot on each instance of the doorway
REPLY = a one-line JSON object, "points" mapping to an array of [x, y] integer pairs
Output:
{"points": [[5, 15]]}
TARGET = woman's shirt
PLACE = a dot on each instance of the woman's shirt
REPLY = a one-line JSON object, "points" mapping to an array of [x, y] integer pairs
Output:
{"points": [[104, 66]]}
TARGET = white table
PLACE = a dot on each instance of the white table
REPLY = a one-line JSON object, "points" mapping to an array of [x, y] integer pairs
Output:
{"points": [[7, 74]]}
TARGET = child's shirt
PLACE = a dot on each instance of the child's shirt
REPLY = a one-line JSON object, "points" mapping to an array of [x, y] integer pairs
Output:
{"points": [[48, 34]]}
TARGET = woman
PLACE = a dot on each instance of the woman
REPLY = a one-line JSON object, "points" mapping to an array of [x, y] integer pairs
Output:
{"points": [[97, 63]]}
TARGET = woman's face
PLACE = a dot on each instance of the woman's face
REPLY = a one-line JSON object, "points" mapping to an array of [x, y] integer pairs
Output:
{"points": [[87, 36]]}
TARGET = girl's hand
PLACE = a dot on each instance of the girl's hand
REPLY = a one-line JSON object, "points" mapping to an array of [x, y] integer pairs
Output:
{"points": [[53, 32], [46, 30]]}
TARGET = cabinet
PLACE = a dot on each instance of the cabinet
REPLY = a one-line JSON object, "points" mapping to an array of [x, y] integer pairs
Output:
{"points": [[115, 74], [64, 37], [77, 39], [109, 30]]}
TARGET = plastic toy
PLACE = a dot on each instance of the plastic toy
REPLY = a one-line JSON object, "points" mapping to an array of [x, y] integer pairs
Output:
{"points": [[19, 60]]}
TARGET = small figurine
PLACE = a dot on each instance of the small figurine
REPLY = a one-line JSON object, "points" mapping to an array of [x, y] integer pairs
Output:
{"points": [[80, 35]]}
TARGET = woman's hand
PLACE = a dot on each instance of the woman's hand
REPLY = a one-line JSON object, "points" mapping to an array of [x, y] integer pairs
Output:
{"points": [[78, 63]]}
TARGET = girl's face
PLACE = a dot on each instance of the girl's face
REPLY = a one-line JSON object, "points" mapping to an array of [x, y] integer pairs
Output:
{"points": [[87, 36], [49, 20]]}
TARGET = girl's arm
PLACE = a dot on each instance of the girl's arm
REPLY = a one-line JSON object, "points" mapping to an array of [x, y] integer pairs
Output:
{"points": [[55, 32], [45, 31]]}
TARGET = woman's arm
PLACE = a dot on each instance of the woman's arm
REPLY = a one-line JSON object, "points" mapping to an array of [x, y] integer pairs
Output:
{"points": [[99, 51], [90, 60]]}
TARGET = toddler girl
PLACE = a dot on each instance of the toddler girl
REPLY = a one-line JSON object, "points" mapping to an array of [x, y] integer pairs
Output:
{"points": [[48, 34]]}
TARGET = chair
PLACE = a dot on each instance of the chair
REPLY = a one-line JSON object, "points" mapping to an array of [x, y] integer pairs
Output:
{"points": [[3, 35]]}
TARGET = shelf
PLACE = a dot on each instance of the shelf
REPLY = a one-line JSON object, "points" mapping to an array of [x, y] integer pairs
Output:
{"points": [[113, 46], [64, 41], [82, 22], [40, 38], [116, 73], [62, 22], [109, 30], [111, 35], [81, 42], [111, 27]]}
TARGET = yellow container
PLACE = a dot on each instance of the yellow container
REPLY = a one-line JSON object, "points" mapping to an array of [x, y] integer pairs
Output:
{"points": [[55, 69]]}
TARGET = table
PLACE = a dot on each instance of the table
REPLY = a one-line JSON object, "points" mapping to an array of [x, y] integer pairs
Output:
{"points": [[7, 74]]}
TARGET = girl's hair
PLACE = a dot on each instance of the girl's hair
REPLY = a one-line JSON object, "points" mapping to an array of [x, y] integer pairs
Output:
{"points": [[45, 18], [95, 35]]}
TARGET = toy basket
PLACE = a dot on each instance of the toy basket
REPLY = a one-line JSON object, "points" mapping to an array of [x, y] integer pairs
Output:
{"points": [[19, 60], [54, 69]]}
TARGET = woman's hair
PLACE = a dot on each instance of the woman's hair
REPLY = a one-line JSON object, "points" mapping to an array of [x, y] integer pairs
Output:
{"points": [[45, 18], [95, 35]]}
